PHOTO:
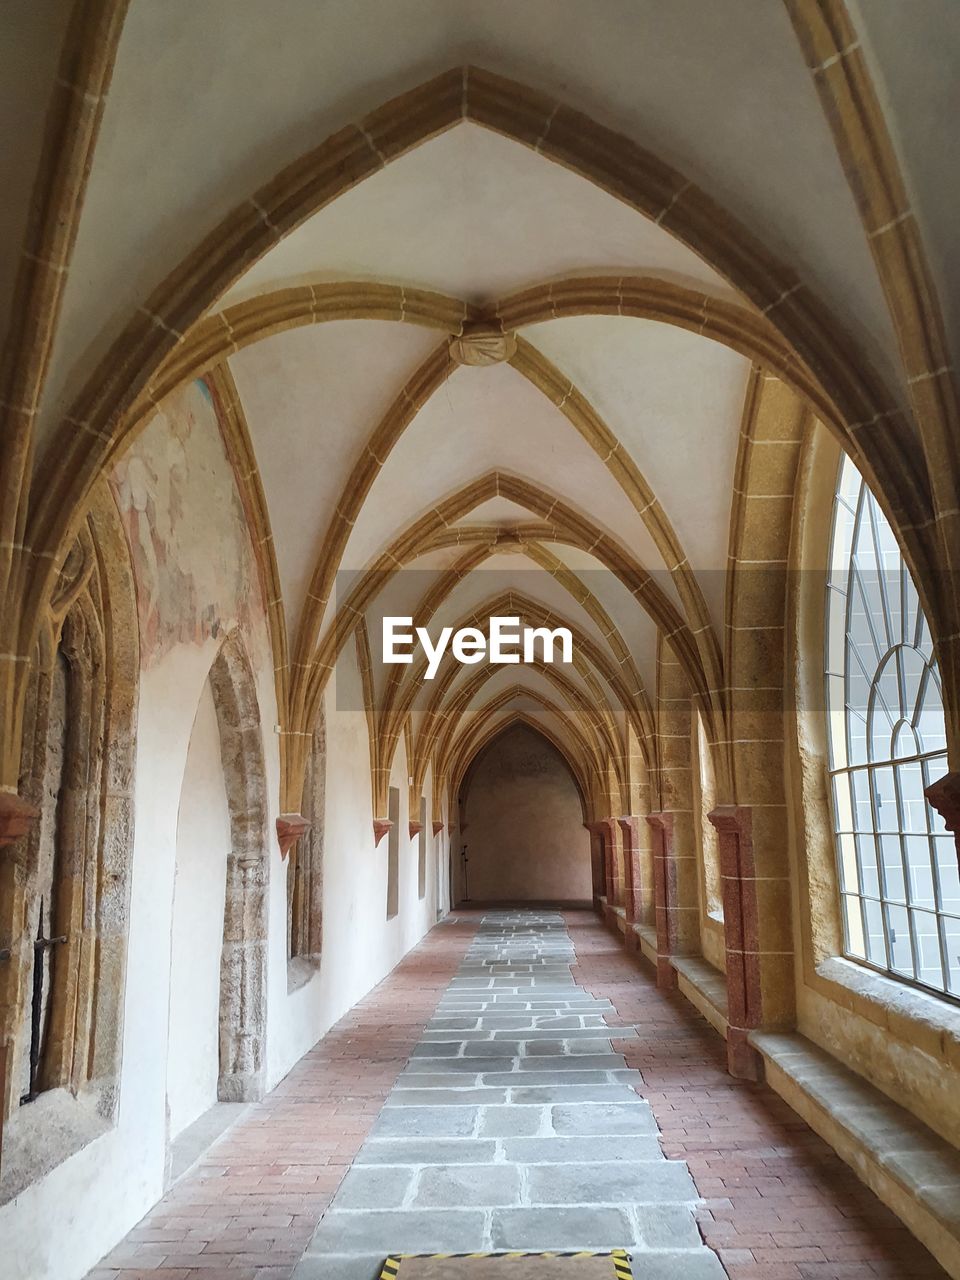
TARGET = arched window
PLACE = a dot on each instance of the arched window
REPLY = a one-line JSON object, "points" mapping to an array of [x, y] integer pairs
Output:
{"points": [[899, 884], [64, 913], [709, 845]]}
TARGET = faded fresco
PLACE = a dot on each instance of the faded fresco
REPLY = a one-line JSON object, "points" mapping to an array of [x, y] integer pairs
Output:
{"points": [[195, 568]]}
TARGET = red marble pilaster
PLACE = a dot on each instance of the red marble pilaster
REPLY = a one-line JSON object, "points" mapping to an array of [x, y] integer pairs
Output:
{"points": [[741, 937], [16, 817]]}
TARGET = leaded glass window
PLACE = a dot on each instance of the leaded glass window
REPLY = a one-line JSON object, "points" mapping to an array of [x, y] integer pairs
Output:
{"points": [[898, 873]]}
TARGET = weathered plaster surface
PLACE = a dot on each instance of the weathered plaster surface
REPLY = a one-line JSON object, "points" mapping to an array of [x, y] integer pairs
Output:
{"points": [[523, 825], [185, 525]]}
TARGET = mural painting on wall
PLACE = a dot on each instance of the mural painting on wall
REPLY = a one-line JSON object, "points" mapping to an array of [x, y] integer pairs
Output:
{"points": [[195, 569]]}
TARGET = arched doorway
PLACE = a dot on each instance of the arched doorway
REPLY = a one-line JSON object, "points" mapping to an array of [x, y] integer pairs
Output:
{"points": [[522, 823], [217, 1014]]}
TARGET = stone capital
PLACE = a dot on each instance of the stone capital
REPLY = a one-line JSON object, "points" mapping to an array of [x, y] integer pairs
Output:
{"points": [[628, 825], [731, 818], [290, 827], [661, 821], [414, 828], [17, 816], [944, 795], [437, 828], [380, 828]]}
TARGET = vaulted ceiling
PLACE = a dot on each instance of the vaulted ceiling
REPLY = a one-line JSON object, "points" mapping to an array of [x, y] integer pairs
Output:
{"points": [[596, 441]]}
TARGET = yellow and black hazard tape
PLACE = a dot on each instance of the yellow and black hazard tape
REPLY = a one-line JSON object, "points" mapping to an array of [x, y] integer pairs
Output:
{"points": [[621, 1264], [621, 1259]]}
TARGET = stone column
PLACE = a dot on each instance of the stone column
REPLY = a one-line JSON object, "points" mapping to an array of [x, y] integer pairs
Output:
{"points": [[742, 937]]}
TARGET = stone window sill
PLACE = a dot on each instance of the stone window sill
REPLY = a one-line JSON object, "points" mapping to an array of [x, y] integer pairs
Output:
{"points": [[705, 987], [911, 1168], [46, 1132], [922, 1020]]}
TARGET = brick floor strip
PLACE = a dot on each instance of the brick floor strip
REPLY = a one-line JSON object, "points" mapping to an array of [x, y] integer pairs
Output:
{"points": [[251, 1204]]}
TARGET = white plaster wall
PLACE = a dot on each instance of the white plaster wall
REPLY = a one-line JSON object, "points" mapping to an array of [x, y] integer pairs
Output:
{"points": [[203, 844], [360, 946]]}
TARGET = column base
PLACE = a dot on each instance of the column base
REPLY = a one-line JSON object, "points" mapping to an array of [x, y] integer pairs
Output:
{"points": [[743, 1061], [666, 974]]}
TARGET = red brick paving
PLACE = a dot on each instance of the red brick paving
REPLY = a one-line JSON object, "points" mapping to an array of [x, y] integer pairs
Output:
{"points": [[780, 1204], [249, 1208]]}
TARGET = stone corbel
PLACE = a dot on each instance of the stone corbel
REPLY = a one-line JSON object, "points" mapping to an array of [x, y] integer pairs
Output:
{"points": [[944, 795], [290, 827], [380, 828], [414, 828], [17, 816], [437, 828]]}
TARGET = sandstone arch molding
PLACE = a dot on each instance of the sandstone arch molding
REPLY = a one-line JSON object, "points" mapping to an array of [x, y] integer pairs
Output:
{"points": [[243, 965]]}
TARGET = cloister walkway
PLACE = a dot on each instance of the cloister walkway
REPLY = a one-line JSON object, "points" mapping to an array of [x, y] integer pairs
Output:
{"points": [[519, 1082]]}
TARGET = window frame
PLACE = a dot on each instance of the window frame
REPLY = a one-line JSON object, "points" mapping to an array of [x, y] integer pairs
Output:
{"points": [[892, 632]]}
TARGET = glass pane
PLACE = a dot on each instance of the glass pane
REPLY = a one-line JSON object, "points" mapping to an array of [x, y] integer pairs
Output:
{"points": [[837, 722], [876, 947], [920, 867], [913, 801], [931, 728], [849, 871], [886, 816], [891, 864], [869, 874], [842, 812], [863, 808], [914, 667], [853, 927], [927, 935], [856, 738], [951, 939], [948, 873], [901, 947]]}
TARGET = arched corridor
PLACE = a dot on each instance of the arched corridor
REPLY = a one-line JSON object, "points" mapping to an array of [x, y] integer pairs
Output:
{"points": [[479, 637]]}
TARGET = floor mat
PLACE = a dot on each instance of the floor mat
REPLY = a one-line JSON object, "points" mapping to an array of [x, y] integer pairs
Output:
{"points": [[510, 1266]]}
